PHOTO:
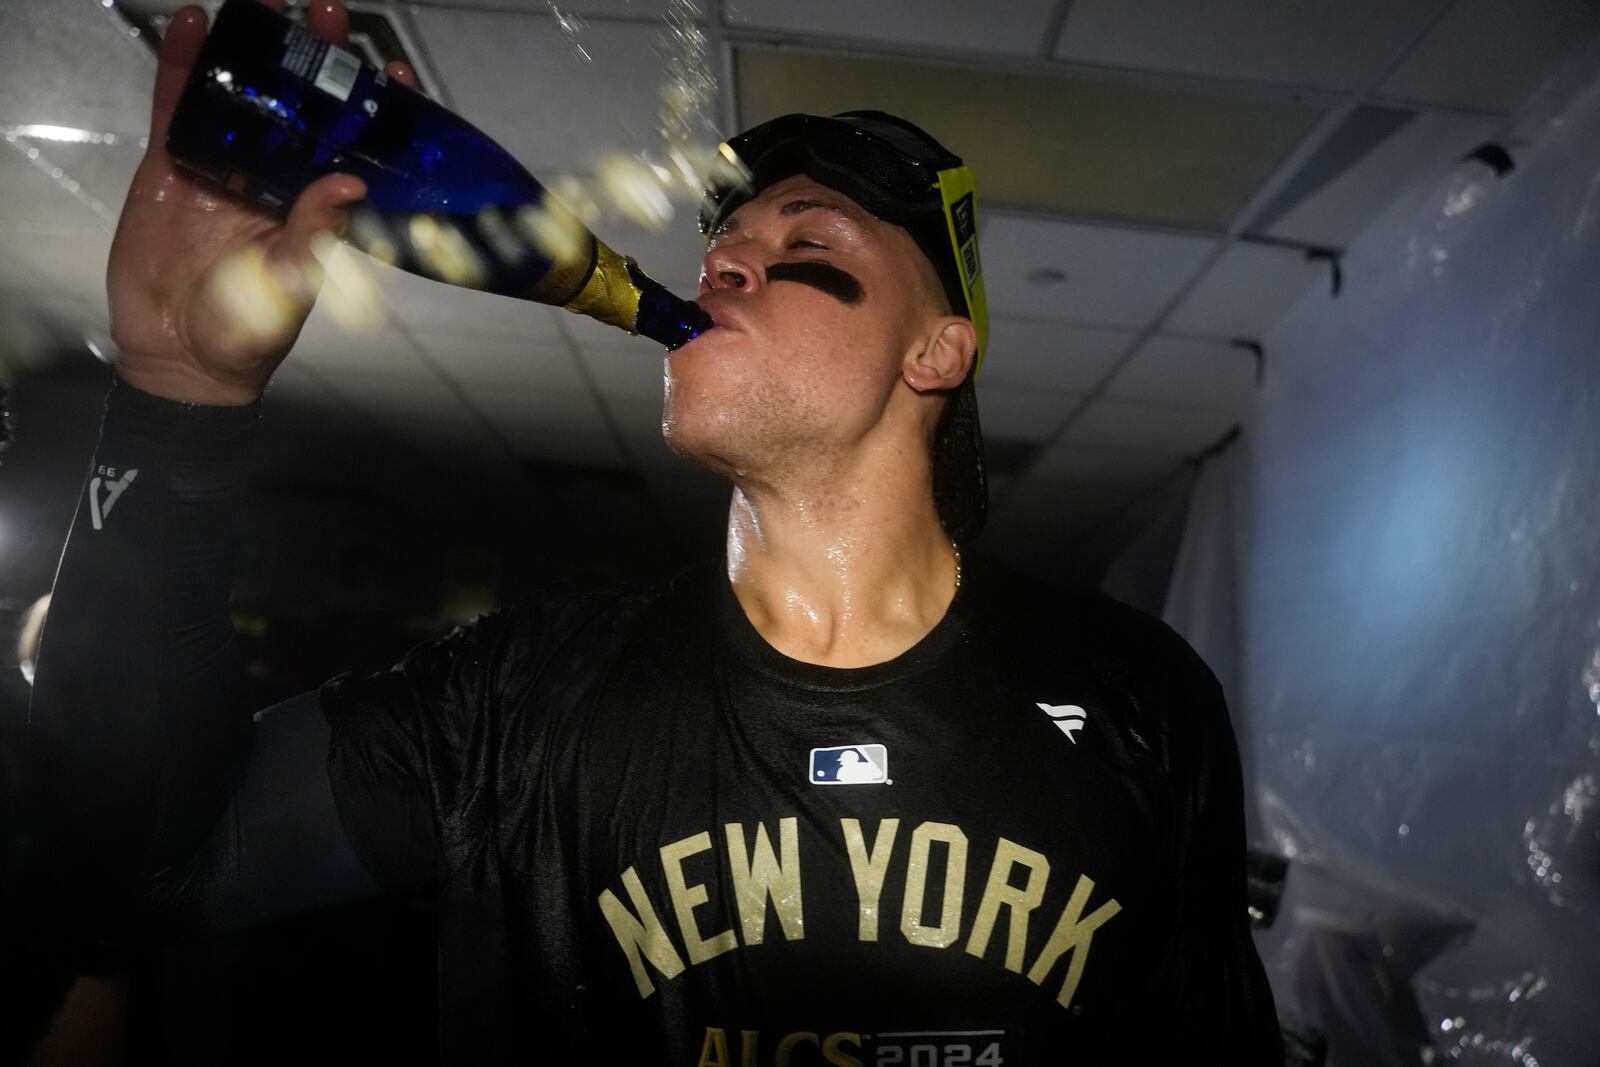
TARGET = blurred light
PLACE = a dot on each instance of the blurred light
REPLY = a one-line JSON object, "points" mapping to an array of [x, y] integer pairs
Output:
{"points": [[64, 134], [634, 189], [447, 255], [95, 351], [554, 231], [249, 296], [348, 292]]}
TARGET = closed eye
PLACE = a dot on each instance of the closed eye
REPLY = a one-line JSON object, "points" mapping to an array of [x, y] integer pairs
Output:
{"points": [[807, 243]]}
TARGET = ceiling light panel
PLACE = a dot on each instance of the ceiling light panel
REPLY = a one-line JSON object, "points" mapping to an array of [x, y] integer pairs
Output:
{"points": [[945, 25], [1310, 43], [1116, 276], [1103, 149]]}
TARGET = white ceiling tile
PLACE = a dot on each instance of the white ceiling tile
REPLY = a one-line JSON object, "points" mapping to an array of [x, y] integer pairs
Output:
{"points": [[1246, 291], [530, 409], [944, 25], [426, 304], [1149, 428], [32, 196], [1285, 42], [326, 346], [670, 255], [1032, 353], [73, 65], [1427, 145], [515, 77], [486, 362], [294, 383], [1114, 276], [555, 426], [36, 326], [632, 370], [1023, 414], [639, 421], [64, 260], [1196, 373], [1074, 465], [1492, 53], [102, 172], [379, 392]]}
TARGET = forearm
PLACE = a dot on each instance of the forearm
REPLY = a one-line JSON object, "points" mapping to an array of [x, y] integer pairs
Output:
{"points": [[139, 723]]}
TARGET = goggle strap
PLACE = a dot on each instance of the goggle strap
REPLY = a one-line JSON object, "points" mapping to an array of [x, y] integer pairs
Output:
{"points": [[958, 190]]}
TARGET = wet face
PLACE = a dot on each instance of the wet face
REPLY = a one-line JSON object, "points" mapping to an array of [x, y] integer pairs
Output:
{"points": [[817, 305]]}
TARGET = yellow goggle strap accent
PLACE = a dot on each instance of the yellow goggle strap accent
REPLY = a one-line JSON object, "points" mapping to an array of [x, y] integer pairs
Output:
{"points": [[959, 190]]}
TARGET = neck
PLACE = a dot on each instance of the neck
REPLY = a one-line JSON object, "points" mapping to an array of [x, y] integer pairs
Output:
{"points": [[845, 576]]}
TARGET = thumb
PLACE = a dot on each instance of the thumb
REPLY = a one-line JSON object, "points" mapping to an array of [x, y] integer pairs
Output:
{"points": [[322, 207]]}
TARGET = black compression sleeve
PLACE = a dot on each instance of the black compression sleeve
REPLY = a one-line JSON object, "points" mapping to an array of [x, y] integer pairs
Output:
{"points": [[141, 724]]}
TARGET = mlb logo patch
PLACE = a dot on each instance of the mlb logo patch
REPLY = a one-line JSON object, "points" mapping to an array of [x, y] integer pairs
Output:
{"points": [[850, 765]]}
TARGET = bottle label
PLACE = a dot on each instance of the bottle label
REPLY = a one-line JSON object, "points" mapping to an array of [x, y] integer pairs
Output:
{"points": [[337, 76], [333, 70]]}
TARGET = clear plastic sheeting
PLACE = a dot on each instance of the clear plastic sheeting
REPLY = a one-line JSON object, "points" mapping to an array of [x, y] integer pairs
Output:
{"points": [[1416, 670]]}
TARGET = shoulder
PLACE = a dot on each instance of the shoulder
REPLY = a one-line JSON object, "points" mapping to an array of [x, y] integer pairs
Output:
{"points": [[502, 650], [1039, 617], [1168, 698]]}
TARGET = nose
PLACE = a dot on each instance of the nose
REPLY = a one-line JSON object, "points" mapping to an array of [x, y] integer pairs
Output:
{"points": [[725, 268]]}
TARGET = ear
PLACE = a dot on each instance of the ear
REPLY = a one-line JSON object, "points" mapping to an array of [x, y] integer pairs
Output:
{"points": [[942, 355]]}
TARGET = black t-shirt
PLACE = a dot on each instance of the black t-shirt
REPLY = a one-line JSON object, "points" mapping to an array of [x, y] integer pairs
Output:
{"points": [[655, 839]]}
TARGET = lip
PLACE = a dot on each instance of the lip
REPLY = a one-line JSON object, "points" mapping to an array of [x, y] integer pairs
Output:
{"points": [[723, 313]]}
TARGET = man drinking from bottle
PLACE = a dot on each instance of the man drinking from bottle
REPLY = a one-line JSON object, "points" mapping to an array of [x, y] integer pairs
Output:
{"points": [[840, 796]]}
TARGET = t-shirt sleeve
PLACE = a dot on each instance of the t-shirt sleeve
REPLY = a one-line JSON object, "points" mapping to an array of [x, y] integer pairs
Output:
{"points": [[413, 749], [1218, 985]]}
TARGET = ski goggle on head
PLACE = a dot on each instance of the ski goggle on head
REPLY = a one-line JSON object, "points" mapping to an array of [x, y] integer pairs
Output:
{"points": [[892, 169]]}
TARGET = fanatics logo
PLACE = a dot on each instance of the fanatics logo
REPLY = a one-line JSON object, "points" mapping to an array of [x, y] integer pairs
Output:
{"points": [[1069, 718], [850, 765]]}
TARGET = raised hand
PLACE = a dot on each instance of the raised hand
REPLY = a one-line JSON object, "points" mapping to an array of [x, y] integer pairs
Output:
{"points": [[209, 291]]}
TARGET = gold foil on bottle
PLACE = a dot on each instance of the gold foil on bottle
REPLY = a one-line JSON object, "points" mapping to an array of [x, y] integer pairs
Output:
{"points": [[609, 295]]}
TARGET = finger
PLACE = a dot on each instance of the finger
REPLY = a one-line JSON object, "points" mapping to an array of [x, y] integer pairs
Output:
{"points": [[329, 20], [323, 207], [179, 47], [401, 72]]}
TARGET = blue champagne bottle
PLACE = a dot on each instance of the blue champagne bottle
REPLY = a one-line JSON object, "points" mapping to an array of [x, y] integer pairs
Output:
{"points": [[270, 107]]}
